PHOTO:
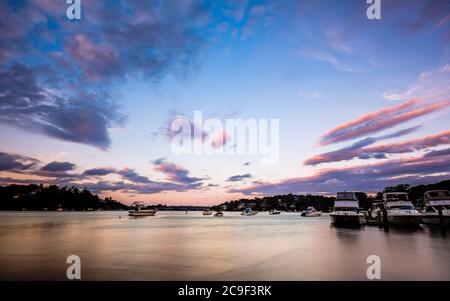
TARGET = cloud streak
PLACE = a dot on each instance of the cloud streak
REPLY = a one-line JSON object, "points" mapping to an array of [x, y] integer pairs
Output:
{"points": [[238, 178], [381, 120], [367, 177], [363, 151]]}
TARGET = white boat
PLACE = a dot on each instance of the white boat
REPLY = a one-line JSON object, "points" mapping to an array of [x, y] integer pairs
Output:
{"points": [[436, 200], [248, 212], [140, 210], [207, 212], [346, 210], [400, 211], [274, 212], [311, 212], [218, 214]]}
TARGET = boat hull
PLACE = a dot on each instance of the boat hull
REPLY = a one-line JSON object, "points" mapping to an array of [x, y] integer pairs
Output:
{"points": [[412, 220], [141, 213], [342, 219], [434, 219], [312, 214]]}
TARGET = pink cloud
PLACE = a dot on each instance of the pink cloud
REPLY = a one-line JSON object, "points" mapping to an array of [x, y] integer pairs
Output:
{"points": [[364, 177], [95, 59], [175, 173], [380, 120], [380, 150]]}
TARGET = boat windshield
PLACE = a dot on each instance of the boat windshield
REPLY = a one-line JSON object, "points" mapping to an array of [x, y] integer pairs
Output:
{"points": [[438, 194], [345, 196], [401, 197], [346, 209], [402, 207]]}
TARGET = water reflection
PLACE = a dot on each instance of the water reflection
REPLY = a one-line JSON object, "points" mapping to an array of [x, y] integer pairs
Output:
{"points": [[176, 246]]}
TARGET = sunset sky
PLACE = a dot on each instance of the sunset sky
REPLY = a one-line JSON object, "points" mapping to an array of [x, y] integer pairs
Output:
{"points": [[362, 104]]}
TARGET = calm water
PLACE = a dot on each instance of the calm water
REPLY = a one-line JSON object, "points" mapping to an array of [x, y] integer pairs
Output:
{"points": [[176, 246]]}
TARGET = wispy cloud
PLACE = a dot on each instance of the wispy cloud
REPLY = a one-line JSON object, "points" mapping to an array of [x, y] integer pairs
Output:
{"points": [[56, 166], [175, 173], [16, 163], [238, 178], [381, 120], [26, 102], [430, 85], [367, 177], [361, 150]]}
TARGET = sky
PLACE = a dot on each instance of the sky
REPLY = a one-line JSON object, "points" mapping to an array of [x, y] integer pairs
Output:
{"points": [[361, 104]]}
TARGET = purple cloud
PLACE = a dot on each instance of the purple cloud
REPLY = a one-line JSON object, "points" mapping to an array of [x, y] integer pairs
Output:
{"points": [[380, 120], [369, 177], [238, 178], [58, 166], [176, 173], [27, 102], [16, 163], [102, 171]]}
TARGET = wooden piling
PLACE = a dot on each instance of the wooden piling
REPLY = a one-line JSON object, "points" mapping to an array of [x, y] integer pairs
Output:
{"points": [[385, 220], [441, 220]]}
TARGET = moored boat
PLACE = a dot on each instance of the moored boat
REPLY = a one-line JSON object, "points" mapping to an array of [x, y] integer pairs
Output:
{"points": [[207, 212], [274, 212], [248, 212], [435, 201], [139, 209], [400, 211], [311, 212], [218, 214], [346, 210]]}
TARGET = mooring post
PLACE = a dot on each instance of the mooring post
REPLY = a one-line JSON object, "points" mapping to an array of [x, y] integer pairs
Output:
{"points": [[385, 220], [441, 219]]}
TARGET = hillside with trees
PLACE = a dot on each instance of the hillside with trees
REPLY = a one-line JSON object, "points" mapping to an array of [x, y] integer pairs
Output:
{"points": [[53, 197], [291, 202]]}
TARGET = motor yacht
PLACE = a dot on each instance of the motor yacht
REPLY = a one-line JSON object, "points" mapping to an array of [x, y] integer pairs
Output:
{"points": [[346, 210], [248, 212], [311, 212], [434, 201], [400, 210], [139, 209]]}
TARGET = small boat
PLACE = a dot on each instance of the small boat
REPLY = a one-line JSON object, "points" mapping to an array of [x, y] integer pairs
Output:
{"points": [[311, 212], [346, 210], [207, 212], [400, 211], [248, 212], [436, 200], [141, 210], [274, 212], [218, 214]]}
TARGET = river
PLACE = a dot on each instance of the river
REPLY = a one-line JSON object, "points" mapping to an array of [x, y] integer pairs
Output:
{"points": [[179, 246]]}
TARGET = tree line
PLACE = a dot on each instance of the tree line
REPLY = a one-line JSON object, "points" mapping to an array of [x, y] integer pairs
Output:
{"points": [[53, 197], [291, 202]]}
